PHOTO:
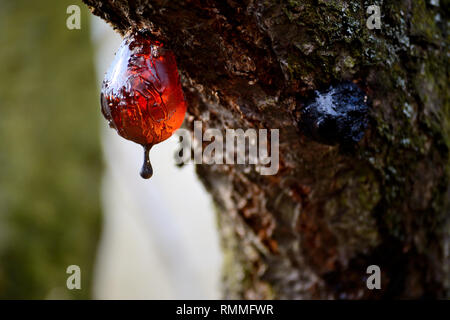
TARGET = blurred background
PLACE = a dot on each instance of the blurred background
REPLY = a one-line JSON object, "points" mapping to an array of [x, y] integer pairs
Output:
{"points": [[70, 190]]}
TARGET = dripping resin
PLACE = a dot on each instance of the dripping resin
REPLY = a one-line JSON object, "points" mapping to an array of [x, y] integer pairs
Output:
{"points": [[141, 95]]}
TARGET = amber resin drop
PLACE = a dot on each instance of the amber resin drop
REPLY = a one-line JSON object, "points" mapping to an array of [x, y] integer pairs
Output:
{"points": [[141, 94]]}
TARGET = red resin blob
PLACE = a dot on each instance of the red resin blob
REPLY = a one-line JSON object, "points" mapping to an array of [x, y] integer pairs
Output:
{"points": [[141, 94]]}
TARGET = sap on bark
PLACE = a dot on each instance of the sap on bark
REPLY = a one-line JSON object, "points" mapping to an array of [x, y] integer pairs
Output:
{"points": [[141, 95], [337, 115]]}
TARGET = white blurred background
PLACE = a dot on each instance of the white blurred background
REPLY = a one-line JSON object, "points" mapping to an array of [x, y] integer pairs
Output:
{"points": [[159, 238]]}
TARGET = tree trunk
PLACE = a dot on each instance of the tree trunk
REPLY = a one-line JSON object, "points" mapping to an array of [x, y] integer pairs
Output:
{"points": [[311, 230]]}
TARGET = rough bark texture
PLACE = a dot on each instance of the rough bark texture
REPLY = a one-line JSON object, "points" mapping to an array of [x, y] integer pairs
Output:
{"points": [[311, 230]]}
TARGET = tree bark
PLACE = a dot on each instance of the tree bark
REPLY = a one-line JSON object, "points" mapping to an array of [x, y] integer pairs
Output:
{"points": [[311, 230]]}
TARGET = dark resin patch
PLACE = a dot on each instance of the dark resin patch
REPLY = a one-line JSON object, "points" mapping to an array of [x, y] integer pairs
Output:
{"points": [[335, 116]]}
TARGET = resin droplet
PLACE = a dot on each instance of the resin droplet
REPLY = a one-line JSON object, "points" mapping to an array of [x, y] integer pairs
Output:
{"points": [[141, 95], [146, 170]]}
